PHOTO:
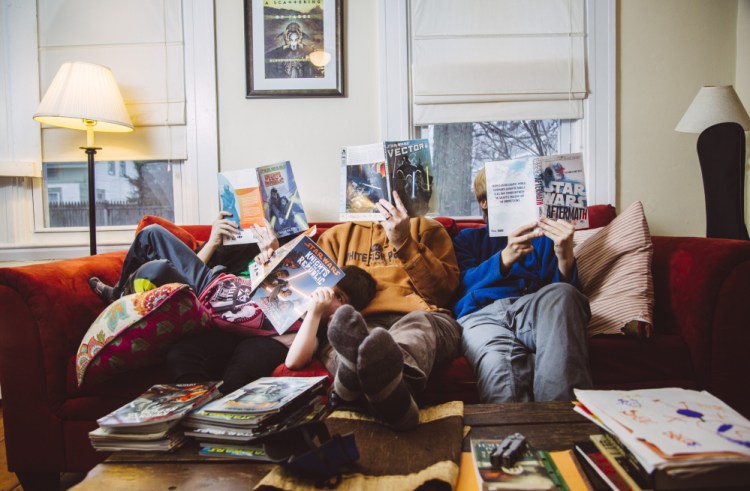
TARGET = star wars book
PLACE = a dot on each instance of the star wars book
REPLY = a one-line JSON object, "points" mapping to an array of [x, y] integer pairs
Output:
{"points": [[528, 473], [520, 191], [269, 394], [265, 193], [370, 173]]}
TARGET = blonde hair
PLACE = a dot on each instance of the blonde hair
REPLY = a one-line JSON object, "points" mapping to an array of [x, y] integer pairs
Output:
{"points": [[480, 186]]}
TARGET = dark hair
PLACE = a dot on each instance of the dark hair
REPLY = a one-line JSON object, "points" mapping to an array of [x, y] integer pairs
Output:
{"points": [[359, 285]]}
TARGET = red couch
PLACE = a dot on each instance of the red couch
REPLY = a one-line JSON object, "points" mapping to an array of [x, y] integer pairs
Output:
{"points": [[702, 334]]}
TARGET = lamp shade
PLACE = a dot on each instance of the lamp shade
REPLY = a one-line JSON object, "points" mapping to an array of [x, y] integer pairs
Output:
{"points": [[714, 105], [84, 96]]}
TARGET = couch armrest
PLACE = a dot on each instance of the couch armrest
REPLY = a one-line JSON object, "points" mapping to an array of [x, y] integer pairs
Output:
{"points": [[702, 292], [46, 309]]}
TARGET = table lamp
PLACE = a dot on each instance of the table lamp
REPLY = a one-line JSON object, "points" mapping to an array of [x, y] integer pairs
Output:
{"points": [[85, 96], [718, 115]]}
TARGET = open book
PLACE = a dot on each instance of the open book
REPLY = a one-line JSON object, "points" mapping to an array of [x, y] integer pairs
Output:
{"points": [[268, 192], [520, 191], [370, 173], [282, 288]]}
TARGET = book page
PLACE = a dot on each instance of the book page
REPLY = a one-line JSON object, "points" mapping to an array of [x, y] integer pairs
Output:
{"points": [[364, 182], [239, 194], [514, 195]]}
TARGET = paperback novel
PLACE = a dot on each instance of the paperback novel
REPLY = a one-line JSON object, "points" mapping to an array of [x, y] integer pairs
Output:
{"points": [[520, 191], [529, 473]]}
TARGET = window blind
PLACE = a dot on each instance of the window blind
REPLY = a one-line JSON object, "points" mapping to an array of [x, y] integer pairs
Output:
{"points": [[142, 42], [493, 60]]}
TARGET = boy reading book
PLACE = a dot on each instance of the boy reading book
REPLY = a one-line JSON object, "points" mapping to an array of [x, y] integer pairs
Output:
{"points": [[245, 346]]}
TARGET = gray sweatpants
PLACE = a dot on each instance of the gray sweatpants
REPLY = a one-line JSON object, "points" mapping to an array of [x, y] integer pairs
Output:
{"points": [[426, 339], [531, 348]]}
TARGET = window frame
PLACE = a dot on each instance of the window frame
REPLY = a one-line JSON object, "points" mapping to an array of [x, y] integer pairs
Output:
{"points": [[194, 203], [596, 136]]}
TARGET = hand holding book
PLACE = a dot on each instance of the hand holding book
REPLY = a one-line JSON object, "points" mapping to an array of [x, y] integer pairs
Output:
{"points": [[396, 223]]}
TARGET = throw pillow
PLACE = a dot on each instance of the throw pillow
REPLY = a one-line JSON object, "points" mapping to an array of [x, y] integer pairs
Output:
{"points": [[614, 267], [135, 331], [176, 230]]}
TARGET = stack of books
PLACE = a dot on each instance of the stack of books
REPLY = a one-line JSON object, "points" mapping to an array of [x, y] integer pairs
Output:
{"points": [[150, 422], [665, 439], [235, 425]]}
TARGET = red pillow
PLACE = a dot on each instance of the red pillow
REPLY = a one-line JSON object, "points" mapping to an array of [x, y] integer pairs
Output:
{"points": [[176, 230]]}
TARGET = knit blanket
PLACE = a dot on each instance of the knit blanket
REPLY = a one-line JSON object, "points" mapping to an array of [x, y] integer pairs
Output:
{"points": [[425, 458]]}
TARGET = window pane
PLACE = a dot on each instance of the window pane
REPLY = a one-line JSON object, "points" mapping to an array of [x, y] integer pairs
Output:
{"points": [[460, 150], [122, 198]]}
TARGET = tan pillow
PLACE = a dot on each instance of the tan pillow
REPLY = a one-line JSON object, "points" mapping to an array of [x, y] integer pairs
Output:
{"points": [[614, 267]]}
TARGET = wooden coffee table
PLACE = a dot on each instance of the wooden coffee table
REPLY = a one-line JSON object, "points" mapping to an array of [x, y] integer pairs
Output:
{"points": [[547, 425]]}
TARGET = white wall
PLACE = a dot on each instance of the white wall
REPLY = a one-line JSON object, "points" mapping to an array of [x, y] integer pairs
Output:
{"points": [[667, 50], [742, 83], [309, 132]]}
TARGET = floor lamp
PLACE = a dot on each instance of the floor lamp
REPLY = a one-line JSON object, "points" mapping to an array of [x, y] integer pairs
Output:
{"points": [[718, 115], [85, 96]]}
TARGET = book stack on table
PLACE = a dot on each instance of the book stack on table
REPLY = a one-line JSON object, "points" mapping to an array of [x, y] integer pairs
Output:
{"points": [[150, 422], [664, 439], [236, 424]]}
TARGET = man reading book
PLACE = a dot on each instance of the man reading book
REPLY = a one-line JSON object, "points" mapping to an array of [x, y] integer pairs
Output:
{"points": [[523, 315], [384, 356], [245, 346]]}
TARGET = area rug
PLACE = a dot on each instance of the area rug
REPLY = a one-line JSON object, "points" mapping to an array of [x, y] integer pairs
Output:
{"points": [[425, 458]]}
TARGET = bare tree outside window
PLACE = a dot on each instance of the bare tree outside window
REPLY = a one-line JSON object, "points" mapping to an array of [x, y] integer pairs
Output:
{"points": [[460, 150]]}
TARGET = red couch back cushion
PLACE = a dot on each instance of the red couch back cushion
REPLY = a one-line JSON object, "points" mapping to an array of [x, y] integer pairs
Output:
{"points": [[599, 216]]}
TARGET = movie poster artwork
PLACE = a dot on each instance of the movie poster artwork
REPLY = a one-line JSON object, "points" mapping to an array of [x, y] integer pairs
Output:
{"points": [[292, 29]]}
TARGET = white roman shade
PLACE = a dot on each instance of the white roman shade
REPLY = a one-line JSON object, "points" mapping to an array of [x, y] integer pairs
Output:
{"points": [[492, 60], [142, 42]]}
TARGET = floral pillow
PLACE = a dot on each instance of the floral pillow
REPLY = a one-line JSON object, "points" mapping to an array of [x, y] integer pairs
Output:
{"points": [[136, 330]]}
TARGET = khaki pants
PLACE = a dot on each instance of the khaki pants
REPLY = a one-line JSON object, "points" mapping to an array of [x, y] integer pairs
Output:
{"points": [[426, 339]]}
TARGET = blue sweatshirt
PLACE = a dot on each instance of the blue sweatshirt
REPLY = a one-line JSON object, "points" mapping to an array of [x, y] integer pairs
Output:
{"points": [[482, 282]]}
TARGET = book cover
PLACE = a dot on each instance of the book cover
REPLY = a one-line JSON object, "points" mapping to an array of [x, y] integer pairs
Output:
{"points": [[515, 195], [570, 470], [520, 191], [239, 194], [529, 473], [268, 394], [284, 294], [234, 451], [162, 404], [565, 188], [602, 466], [623, 461], [410, 165], [282, 204], [371, 172]]}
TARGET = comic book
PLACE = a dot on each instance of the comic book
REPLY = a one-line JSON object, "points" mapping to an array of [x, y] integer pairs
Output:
{"points": [[528, 473], [159, 408], [282, 288], [282, 204], [268, 192], [371, 172], [269, 394], [520, 191]]}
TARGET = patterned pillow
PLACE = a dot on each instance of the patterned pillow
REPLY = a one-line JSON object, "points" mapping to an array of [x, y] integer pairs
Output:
{"points": [[614, 266], [135, 331]]}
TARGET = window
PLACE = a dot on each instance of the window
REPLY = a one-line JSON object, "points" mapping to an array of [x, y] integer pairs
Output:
{"points": [[142, 188], [435, 86], [46, 33], [460, 150]]}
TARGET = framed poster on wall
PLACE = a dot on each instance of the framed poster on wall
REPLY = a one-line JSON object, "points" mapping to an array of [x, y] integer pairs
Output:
{"points": [[294, 48]]}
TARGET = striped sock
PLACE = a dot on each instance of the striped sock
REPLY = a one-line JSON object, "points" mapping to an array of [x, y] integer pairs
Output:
{"points": [[346, 332], [380, 367]]}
